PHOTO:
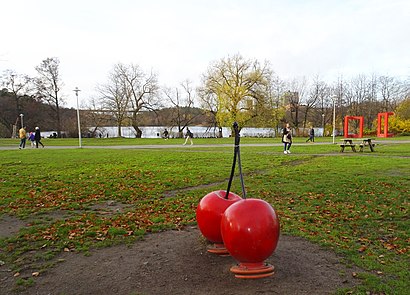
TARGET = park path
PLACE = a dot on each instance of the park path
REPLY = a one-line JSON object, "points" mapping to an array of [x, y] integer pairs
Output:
{"points": [[172, 146]]}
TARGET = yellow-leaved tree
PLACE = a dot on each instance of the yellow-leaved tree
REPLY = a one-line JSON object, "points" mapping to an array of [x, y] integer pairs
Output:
{"points": [[239, 89], [400, 122]]}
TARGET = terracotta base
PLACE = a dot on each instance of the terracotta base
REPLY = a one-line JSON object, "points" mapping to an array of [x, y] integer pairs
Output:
{"points": [[218, 249], [252, 270]]}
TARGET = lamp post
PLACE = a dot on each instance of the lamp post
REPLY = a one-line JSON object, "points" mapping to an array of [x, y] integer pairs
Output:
{"points": [[323, 123], [21, 119], [76, 90], [334, 119]]}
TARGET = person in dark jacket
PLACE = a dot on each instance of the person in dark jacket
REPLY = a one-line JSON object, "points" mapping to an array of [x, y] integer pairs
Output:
{"points": [[165, 134], [189, 136], [311, 135], [287, 138], [37, 137]]}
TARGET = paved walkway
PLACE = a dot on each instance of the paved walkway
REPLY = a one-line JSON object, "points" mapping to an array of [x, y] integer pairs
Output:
{"points": [[170, 146]]}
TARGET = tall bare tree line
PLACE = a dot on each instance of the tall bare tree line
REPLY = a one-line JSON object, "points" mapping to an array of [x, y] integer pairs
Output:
{"points": [[231, 89]]}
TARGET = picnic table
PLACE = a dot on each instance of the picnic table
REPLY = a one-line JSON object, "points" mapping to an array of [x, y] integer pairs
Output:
{"points": [[347, 142], [367, 142], [363, 143]]}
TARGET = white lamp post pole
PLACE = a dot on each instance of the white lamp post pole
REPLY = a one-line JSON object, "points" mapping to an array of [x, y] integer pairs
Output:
{"points": [[76, 90], [323, 123], [21, 117], [334, 119]]}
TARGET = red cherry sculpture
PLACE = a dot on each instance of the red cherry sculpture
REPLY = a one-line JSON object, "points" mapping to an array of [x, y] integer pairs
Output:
{"points": [[250, 230], [208, 215]]}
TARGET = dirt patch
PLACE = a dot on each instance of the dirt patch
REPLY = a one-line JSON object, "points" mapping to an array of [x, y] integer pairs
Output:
{"points": [[176, 262], [110, 208], [10, 225], [297, 162]]}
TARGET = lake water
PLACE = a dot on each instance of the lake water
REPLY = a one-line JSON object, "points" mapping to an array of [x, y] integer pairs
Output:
{"points": [[198, 131]]}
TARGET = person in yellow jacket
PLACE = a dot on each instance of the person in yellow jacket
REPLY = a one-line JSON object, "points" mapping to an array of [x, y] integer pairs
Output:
{"points": [[23, 136]]}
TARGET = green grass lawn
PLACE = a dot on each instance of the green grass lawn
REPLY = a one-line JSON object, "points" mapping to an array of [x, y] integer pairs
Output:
{"points": [[174, 141], [356, 204]]}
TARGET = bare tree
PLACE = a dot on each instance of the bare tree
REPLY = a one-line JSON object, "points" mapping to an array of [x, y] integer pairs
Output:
{"points": [[362, 98], [209, 103], [48, 86], [113, 98], [140, 90], [294, 98], [95, 116], [18, 86], [318, 96], [182, 102], [371, 105], [357, 94], [391, 90], [339, 93]]}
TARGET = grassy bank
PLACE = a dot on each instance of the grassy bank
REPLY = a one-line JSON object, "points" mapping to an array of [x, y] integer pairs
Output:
{"points": [[74, 142], [73, 199]]}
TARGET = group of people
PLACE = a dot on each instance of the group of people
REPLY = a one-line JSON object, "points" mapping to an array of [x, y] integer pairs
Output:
{"points": [[34, 137], [188, 136], [286, 137]]}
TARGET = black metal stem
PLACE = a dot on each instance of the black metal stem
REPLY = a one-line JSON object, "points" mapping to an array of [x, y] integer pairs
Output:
{"points": [[236, 156], [232, 173], [241, 175]]}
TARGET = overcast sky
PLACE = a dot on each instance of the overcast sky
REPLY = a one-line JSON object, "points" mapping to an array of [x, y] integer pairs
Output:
{"points": [[178, 39]]}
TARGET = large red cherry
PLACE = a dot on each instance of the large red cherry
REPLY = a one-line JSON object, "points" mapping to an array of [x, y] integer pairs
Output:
{"points": [[209, 213], [250, 231]]}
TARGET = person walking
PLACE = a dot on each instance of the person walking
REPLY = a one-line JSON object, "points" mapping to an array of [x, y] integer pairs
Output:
{"points": [[23, 137], [37, 137], [31, 138], [188, 135], [287, 138], [311, 135], [166, 134]]}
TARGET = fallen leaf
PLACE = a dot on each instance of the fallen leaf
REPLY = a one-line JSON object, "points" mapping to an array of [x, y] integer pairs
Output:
{"points": [[362, 248]]}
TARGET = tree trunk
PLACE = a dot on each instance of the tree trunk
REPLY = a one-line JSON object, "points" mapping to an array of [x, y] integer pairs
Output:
{"points": [[139, 132], [59, 122]]}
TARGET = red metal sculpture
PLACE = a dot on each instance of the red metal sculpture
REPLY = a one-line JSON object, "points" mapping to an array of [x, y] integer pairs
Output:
{"points": [[346, 127], [383, 117], [248, 228]]}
